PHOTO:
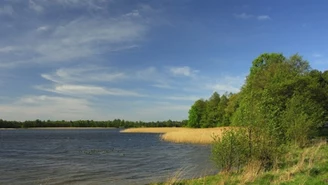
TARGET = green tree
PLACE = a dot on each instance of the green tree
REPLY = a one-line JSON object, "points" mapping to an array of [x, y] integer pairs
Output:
{"points": [[196, 113], [222, 119], [212, 114]]}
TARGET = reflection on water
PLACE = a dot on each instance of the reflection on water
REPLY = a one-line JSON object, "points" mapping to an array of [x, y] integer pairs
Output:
{"points": [[102, 156]]}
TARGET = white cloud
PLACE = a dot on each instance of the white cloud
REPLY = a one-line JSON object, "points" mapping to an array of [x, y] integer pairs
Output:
{"points": [[84, 74], [134, 13], [317, 55], [243, 16], [79, 81], [227, 84], [35, 7], [263, 17], [6, 10], [163, 86], [246, 16], [81, 38], [182, 71], [85, 90], [96, 4], [42, 28], [7, 49], [47, 107], [160, 111], [222, 88], [183, 98]]}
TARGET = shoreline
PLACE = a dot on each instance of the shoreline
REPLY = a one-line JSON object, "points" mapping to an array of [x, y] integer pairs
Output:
{"points": [[58, 128]]}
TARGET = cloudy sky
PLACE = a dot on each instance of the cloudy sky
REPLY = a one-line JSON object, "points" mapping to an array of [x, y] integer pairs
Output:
{"points": [[142, 59]]}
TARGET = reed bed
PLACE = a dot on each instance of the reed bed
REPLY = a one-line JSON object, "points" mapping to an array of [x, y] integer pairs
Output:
{"points": [[195, 136], [183, 135], [159, 130]]}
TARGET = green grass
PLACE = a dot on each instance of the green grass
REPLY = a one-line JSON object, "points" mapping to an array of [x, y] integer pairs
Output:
{"points": [[301, 166]]}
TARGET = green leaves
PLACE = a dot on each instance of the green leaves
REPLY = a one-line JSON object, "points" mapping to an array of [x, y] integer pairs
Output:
{"points": [[196, 113], [230, 151]]}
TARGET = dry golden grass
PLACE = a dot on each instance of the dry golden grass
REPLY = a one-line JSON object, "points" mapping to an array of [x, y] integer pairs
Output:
{"points": [[183, 135], [251, 171], [196, 136], [159, 130], [305, 162]]}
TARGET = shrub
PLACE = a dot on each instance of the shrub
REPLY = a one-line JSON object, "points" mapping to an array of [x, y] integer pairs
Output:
{"points": [[230, 151]]}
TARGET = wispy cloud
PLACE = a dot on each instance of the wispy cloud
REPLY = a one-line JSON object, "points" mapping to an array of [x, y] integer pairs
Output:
{"points": [[79, 38], [82, 90], [7, 49], [182, 71], [246, 16], [317, 55], [227, 84], [95, 4], [263, 17], [35, 7], [42, 28], [184, 98], [47, 107], [89, 73], [243, 16], [6, 10]]}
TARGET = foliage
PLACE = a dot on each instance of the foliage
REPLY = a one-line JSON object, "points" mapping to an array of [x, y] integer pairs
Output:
{"points": [[230, 151], [301, 166], [212, 112], [196, 113], [282, 103]]}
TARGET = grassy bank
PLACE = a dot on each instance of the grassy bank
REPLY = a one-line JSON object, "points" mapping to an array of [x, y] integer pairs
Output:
{"points": [[301, 166], [183, 135]]}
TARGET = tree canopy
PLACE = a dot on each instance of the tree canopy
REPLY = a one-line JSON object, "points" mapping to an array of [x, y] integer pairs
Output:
{"points": [[280, 95]]}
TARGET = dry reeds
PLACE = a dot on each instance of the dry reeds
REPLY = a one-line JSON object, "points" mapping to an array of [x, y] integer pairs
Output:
{"points": [[183, 135], [159, 130], [196, 136], [251, 171]]}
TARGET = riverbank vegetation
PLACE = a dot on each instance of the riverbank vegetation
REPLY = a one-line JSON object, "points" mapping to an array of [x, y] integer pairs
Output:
{"points": [[281, 111], [307, 165]]}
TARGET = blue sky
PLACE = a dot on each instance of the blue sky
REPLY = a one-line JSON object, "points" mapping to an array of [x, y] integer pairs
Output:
{"points": [[142, 60]]}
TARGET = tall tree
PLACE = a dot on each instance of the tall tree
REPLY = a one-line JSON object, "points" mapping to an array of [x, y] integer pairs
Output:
{"points": [[212, 111], [221, 110], [196, 113]]}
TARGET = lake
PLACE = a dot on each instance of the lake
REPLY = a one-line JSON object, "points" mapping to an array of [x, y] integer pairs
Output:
{"points": [[96, 156]]}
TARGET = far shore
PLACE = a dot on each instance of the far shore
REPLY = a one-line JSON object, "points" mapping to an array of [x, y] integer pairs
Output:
{"points": [[58, 128], [184, 135]]}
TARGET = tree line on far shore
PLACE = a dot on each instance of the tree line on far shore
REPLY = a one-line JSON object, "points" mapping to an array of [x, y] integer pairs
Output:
{"points": [[116, 123]]}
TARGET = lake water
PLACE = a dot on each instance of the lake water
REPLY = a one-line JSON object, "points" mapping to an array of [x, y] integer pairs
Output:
{"points": [[102, 156]]}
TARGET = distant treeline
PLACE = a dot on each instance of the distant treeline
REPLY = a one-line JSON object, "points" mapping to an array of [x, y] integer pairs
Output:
{"points": [[117, 123]]}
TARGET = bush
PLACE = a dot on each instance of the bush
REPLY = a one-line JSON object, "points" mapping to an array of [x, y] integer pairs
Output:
{"points": [[230, 151]]}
